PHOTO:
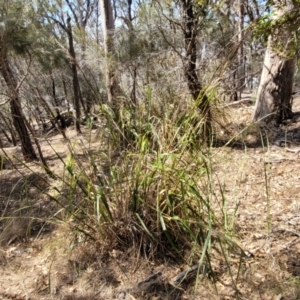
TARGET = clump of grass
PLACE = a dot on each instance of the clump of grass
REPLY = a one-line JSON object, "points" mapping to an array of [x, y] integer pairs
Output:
{"points": [[150, 188]]}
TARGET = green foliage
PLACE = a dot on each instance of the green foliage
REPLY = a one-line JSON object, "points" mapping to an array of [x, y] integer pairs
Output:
{"points": [[49, 55], [263, 27], [21, 32], [14, 28], [280, 25]]}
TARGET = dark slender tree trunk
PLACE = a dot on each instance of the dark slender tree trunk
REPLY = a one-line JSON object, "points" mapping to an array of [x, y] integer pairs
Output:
{"points": [[2, 157], [20, 123], [16, 111], [8, 125], [12, 134], [65, 91], [190, 32], [129, 14], [54, 91], [6, 135], [194, 85], [133, 90], [76, 87], [59, 117], [82, 12], [241, 60]]}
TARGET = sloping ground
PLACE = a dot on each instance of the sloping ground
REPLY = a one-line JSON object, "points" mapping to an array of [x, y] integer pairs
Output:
{"points": [[262, 183]]}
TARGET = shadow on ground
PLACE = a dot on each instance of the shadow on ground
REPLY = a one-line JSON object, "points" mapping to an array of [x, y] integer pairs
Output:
{"points": [[24, 208], [286, 134]]}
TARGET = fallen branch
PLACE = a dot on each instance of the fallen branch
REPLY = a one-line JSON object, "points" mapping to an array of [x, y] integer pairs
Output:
{"points": [[297, 150], [249, 101], [157, 281]]}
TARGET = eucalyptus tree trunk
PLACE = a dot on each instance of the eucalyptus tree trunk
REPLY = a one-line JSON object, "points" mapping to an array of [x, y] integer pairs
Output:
{"points": [[190, 23], [108, 28], [16, 109], [274, 98]]}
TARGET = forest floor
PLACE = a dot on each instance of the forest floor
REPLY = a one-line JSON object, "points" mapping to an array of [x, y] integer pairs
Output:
{"points": [[40, 260]]}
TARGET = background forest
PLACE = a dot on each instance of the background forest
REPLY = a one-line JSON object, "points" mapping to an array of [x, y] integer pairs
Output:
{"points": [[138, 142]]}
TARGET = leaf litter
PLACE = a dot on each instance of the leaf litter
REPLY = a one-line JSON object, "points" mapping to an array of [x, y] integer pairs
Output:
{"points": [[263, 181]]}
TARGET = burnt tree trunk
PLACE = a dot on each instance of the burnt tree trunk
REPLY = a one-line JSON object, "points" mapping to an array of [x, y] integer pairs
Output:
{"points": [[12, 133], [58, 114], [190, 22], [16, 111], [7, 122], [6, 135], [74, 75]]}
